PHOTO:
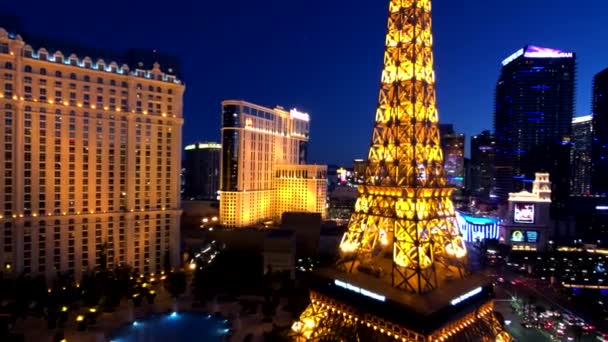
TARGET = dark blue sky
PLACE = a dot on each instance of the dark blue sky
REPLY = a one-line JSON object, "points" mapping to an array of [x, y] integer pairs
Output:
{"points": [[324, 56]]}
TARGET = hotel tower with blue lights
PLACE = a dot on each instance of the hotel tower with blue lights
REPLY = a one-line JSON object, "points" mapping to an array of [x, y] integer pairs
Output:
{"points": [[534, 106]]}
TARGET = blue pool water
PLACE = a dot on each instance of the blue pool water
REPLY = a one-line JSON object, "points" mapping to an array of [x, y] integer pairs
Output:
{"points": [[184, 327]]}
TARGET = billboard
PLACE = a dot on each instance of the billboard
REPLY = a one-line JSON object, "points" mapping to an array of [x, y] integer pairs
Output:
{"points": [[523, 213], [529, 236]]}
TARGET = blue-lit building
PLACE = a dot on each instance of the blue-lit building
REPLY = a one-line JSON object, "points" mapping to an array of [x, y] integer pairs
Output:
{"points": [[534, 107], [478, 228]]}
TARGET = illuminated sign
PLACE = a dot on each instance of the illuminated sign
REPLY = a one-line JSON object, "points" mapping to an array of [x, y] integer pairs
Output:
{"points": [[530, 236], [202, 146], [523, 213], [294, 114], [517, 236], [542, 52], [466, 296], [601, 207], [248, 122], [359, 290], [513, 57], [209, 145]]}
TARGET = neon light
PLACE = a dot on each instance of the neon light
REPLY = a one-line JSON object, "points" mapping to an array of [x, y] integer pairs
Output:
{"points": [[542, 52], [601, 207], [466, 296], [294, 114], [359, 290], [513, 57]]}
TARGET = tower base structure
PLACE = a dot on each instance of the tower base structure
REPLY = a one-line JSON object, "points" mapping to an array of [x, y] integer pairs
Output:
{"points": [[357, 307]]}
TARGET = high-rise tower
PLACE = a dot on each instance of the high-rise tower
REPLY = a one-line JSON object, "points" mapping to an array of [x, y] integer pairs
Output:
{"points": [[482, 163], [599, 143], [533, 120], [580, 156], [402, 241]]}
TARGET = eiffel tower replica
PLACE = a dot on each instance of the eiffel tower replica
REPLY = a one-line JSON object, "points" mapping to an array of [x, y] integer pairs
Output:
{"points": [[402, 275]]}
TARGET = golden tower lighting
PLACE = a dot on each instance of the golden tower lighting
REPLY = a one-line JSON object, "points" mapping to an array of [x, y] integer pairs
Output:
{"points": [[404, 207], [403, 240]]}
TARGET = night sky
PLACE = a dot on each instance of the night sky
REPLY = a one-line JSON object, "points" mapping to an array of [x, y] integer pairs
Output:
{"points": [[325, 56]]}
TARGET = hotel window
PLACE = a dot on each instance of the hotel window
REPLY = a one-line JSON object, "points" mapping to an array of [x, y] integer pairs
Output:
{"points": [[8, 90], [28, 68], [73, 77], [58, 73], [8, 237], [41, 246], [87, 78], [42, 71]]}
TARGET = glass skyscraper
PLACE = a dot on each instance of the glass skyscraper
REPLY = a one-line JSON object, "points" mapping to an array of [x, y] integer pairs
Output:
{"points": [[534, 106], [599, 146]]}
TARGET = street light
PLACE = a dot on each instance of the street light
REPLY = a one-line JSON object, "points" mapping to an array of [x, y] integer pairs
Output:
{"points": [[205, 220], [214, 218]]}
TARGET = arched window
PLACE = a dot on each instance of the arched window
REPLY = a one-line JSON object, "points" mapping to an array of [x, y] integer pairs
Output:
{"points": [[158, 90], [8, 65], [42, 71], [124, 84], [87, 79], [72, 76], [112, 82], [8, 106], [28, 68], [99, 80], [150, 88], [58, 73]]}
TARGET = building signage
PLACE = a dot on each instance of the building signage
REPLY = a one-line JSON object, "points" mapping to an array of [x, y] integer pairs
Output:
{"points": [[542, 52], [295, 114], [530, 236], [523, 213], [466, 296], [359, 290]]}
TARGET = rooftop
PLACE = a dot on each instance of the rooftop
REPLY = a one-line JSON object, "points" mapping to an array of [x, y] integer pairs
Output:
{"points": [[135, 58], [422, 313]]}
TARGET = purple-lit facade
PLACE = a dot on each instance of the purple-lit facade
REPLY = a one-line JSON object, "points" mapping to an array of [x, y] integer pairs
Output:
{"points": [[534, 107]]}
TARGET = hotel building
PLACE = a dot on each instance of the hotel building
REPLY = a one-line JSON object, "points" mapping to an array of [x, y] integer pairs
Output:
{"points": [[262, 170], [90, 158]]}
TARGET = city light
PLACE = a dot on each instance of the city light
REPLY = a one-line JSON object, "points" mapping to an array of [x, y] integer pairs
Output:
{"points": [[359, 290], [466, 296]]}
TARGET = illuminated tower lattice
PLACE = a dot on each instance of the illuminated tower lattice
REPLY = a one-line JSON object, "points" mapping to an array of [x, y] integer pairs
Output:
{"points": [[404, 206], [402, 240]]}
